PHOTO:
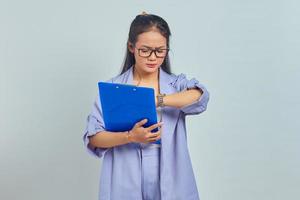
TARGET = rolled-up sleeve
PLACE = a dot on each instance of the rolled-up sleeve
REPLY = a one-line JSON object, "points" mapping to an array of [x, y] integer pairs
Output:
{"points": [[182, 83], [94, 125]]}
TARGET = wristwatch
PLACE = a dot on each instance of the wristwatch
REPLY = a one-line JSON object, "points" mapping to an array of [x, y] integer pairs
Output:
{"points": [[160, 100]]}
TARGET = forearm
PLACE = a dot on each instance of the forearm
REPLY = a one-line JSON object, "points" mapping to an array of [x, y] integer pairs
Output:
{"points": [[107, 139], [182, 98]]}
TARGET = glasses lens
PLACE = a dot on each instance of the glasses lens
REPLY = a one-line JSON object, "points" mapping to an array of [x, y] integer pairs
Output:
{"points": [[161, 53], [145, 52]]}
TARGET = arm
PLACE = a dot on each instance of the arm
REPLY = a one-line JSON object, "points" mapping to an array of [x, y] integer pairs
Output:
{"points": [[107, 139], [138, 133], [182, 98], [192, 96], [94, 126]]}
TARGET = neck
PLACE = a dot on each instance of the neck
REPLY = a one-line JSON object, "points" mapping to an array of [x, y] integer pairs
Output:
{"points": [[144, 76]]}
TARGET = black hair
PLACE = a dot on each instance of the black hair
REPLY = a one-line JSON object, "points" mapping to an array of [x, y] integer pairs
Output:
{"points": [[144, 23]]}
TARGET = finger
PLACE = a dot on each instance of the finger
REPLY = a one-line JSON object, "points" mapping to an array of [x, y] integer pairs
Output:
{"points": [[153, 135], [154, 139], [142, 122], [158, 137], [154, 126]]}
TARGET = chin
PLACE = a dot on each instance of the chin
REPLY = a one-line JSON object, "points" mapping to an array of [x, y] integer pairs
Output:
{"points": [[151, 69]]}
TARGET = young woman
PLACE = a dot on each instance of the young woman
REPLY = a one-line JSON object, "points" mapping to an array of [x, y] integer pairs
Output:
{"points": [[134, 167]]}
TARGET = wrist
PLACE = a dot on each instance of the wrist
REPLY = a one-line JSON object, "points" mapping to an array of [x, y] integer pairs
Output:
{"points": [[160, 100], [129, 136]]}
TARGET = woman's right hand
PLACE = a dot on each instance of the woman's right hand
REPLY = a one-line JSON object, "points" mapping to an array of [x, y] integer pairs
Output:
{"points": [[144, 135]]}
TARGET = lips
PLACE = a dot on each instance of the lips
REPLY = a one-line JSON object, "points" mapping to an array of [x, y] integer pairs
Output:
{"points": [[151, 65]]}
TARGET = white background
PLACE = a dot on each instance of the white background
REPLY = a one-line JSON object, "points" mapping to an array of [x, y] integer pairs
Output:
{"points": [[53, 53]]}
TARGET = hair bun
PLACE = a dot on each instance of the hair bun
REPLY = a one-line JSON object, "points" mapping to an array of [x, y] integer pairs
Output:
{"points": [[144, 13]]}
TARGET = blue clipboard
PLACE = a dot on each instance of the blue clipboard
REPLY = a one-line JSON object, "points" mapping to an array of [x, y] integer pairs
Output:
{"points": [[124, 105]]}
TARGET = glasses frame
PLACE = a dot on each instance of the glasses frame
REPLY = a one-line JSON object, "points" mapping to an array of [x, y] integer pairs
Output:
{"points": [[152, 50]]}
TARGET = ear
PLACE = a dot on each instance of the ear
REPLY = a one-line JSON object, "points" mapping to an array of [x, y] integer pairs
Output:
{"points": [[130, 47]]}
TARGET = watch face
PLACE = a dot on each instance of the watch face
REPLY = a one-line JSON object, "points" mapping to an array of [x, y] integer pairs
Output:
{"points": [[160, 100]]}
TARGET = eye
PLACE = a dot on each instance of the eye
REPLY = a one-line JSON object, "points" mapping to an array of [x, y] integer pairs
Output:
{"points": [[145, 50]]}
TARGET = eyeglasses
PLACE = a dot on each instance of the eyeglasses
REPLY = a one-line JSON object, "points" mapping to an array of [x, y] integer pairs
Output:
{"points": [[147, 52]]}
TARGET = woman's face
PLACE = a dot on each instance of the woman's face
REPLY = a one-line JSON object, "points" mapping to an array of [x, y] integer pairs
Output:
{"points": [[146, 40]]}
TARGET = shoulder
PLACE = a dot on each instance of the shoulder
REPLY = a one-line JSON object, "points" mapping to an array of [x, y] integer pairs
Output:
{"points": [[177, 77], [181, 81]]}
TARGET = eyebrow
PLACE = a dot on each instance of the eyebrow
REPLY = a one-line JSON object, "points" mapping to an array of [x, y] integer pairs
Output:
{"points": [[151, 47]]}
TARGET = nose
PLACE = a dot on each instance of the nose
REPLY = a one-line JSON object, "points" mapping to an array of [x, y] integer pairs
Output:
{"points": [[152, 56]]}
